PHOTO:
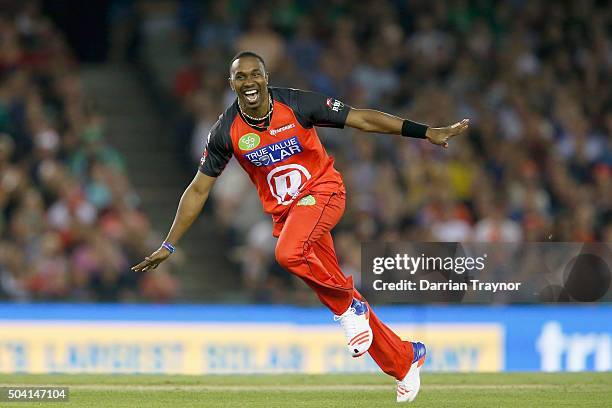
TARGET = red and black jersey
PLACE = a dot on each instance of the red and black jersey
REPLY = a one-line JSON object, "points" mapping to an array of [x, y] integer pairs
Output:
{"points": [[286, 160]]}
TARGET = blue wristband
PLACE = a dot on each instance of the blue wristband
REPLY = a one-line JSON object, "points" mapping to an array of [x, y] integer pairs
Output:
{"points": [[169, 247]]}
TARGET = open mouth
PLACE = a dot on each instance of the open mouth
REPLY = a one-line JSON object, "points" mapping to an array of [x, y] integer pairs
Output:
{"points": [[252, 95]]}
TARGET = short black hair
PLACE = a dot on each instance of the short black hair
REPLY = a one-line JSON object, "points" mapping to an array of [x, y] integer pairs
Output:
{"points": [[248, 54]]}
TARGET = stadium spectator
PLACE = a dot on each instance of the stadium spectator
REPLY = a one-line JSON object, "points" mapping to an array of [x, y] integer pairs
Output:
{"points": [[69, 219]]}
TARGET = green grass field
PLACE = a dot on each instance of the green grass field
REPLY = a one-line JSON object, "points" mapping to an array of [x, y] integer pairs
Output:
{"points": [[361, 390]]}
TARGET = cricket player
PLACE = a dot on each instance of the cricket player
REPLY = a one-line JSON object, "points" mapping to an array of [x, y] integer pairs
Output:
{"points": [[271, 132]]}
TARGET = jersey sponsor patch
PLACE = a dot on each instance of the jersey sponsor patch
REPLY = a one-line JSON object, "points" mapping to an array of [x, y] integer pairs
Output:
{"points": [[334, 104], [275, 152], [249, 141], [282, 129], [307, 200]]}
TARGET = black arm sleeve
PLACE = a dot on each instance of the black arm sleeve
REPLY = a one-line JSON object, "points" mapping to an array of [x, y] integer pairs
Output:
{"points": [[314, 109], [218, 150]]}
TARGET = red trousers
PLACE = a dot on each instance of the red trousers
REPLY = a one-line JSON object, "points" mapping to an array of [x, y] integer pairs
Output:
{"points": [[305, 248]]}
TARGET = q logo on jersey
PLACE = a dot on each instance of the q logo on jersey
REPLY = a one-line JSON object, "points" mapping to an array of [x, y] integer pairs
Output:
{"points": [[285, 182], [249, 141]]}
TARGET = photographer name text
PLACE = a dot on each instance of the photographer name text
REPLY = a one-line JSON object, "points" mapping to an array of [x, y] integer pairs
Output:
{"points": [[424, 284]]}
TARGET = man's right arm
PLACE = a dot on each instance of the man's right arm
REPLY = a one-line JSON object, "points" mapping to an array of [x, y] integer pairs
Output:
{"points": [[189, 208], [215, 157]]}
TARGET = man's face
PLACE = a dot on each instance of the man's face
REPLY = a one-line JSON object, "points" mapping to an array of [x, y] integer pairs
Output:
{"points": [[248, 78]]}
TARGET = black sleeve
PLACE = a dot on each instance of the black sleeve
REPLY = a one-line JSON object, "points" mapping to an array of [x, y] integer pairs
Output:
{"points": [[218, 150], [314, 109]]}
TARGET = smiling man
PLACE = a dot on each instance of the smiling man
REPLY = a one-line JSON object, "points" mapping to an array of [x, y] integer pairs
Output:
{"points": [[271, 132]]}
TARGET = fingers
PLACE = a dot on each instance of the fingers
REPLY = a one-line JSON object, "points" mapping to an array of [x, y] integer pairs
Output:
{"points": [[463, 124], [139, 267], [147, 267], [459, 127], [150, 262], [150, 267], [144, 265]]}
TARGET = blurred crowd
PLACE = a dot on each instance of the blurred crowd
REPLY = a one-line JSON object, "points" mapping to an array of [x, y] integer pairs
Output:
{"points": [[536, 164], [533, 78], [70, 226]]}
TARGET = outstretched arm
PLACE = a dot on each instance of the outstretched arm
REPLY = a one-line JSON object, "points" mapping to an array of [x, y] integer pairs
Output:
{"points": [[191, 204], [369, 120]]}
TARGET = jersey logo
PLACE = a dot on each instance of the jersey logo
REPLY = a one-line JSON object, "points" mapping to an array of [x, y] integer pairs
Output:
{"points": [[205, 153], [285, 182], [249, 141], [307, 200], [334, 104], [275, 152], [282, 128]]}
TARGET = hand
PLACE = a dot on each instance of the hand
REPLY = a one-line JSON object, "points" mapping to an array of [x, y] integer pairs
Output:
{"points": [[440, 136], [152, 261]]}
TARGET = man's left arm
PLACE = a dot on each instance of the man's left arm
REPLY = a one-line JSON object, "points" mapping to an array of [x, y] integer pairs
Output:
{"points": [[369, 120]]}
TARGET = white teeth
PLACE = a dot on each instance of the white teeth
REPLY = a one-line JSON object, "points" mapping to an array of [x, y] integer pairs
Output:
{"points": [[251, 95]]}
